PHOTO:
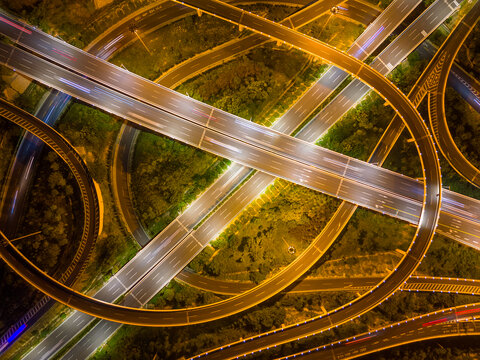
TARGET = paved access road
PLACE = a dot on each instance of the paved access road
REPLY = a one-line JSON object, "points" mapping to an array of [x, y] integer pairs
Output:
{"points": [[458, 321], [313, 284], [91, 221], [438, 120], [306, 174]]}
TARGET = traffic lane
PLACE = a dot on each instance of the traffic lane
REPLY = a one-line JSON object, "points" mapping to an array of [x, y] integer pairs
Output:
{"points": [[317, 156], [87, 345], [103, 98], [388, 59], [369, 40], [302, 16], [333, 111], [465, 85], [266, 161], [467, 236], [160, 276], [170, 128], [446, 322], [98, 69], [232, 287], [443, 280], [467, 92], [358, 11], [59, 337], [212, 196], [146, 259], [227, 124], [438, 12], [121, 166], [312, 98], [232, 207], [198, 134]]}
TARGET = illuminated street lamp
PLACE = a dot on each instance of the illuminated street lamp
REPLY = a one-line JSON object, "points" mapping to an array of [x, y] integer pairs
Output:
{"points": [[291, 248], [134, 29]]}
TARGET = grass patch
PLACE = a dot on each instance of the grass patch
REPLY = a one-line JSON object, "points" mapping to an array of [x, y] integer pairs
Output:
{"points": [[167, 176], [172, 44], [256, 243]]}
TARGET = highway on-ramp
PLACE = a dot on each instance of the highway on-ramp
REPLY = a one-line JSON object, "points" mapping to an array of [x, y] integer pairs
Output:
{"points": [[450, 322], [436, 104]]}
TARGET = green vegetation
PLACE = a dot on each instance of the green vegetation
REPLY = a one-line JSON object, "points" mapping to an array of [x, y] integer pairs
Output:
{"points": [[249, 84], [31, 97], [52, 207], [8, 142], [335, 31], [374, 237], [93, 134], [359, 130], [178, 296], [450, 258], [91, 131], [167, 176], [77, 22], [469, 54], [54, 185], [464, 125], [257, 243], [172, 44], [353, 134], [65, 18]]}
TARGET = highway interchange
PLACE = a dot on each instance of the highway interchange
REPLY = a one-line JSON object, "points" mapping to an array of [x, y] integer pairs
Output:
{"points": [[418, 127], [255, 135]]}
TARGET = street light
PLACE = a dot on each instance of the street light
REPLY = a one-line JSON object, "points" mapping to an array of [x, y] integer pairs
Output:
{"points": [[133, 27]]}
